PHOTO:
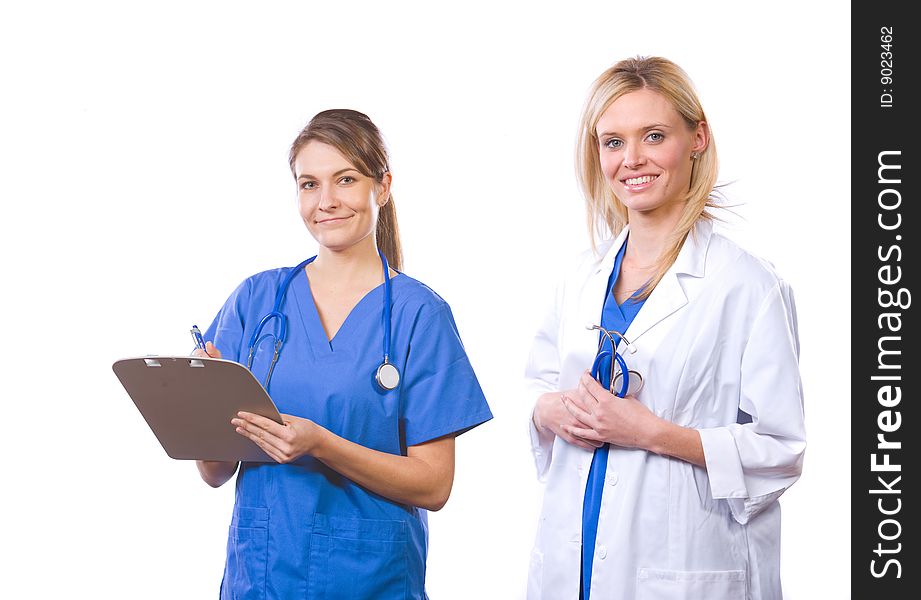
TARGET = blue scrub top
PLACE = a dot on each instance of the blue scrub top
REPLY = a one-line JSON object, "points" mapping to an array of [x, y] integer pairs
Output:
{"points": [[617, 318], [302, 530]]}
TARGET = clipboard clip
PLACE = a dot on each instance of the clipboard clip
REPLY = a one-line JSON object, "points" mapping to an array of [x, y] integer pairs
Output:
{"points": [[193, 362]]}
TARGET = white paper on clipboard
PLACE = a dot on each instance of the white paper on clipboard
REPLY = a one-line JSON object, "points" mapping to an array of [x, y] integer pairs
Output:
{"points": [[188, 403]]}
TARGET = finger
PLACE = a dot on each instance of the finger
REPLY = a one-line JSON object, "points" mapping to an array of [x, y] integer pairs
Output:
{"points": [[582, 416], [583, 400], [591, 387], [212, 350], [199, 353], [267, 448], [588, 398], [265, 441], [262, 422], [591, 444], [585, 445], [564, 435], [587, 434], [261, 433]]}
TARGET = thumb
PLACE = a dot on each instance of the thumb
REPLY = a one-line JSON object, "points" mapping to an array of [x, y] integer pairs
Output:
{"points": [[212, 350]]}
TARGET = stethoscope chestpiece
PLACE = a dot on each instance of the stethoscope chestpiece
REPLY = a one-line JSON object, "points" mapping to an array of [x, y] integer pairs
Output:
{"points": [[634, 382], [387, 376]]}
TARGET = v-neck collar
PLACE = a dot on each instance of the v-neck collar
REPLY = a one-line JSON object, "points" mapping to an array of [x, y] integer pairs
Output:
{"points": [[313, 325], [615, 275]]}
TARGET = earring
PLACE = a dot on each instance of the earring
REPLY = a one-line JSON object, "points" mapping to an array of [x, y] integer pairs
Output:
{"points": [[695, 155]]}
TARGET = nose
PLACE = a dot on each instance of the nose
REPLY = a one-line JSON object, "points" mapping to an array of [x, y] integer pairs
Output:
{"points": [[328, 199], [633, 157]]}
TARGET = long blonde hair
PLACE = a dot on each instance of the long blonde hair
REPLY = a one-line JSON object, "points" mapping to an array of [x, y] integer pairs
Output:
{"points": [[359, 140], [605, 211]]}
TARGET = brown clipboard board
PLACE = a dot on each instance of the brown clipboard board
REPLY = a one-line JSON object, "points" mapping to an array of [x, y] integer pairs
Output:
{"points": [[188, 403]]}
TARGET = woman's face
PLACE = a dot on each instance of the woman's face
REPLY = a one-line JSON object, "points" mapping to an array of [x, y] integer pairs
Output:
{"points": [[645, 149], [338, 204]]}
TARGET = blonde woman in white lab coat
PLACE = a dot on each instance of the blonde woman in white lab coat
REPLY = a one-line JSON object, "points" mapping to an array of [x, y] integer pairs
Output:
{"points": [[686, 506]]}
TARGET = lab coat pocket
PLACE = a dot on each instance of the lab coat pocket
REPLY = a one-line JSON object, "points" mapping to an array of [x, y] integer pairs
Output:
{"points": [[247, 555], [352, 559], [659, 584]]}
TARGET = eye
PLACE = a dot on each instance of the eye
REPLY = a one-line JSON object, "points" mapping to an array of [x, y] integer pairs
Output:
{"points": [[347, 179], [655, 137], [308, 185], [613, 143]]}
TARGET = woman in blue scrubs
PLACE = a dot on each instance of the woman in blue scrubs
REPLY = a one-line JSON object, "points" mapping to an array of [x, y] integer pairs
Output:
{"points": [[341, 513]]}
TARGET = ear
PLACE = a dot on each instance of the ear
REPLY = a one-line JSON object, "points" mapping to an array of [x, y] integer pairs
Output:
{"points": [[701, 137], [383, 196]]}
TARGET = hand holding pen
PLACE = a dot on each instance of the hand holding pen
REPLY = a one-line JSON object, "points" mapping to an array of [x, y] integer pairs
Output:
{"points": [[203, 349]]}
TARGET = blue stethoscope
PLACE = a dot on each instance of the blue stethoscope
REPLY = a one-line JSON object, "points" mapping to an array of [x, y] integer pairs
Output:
{"points": [[387, 375], [624, 380]]}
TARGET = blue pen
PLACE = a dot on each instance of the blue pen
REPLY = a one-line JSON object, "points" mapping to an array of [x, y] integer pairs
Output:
{"points": [[199, 340]]}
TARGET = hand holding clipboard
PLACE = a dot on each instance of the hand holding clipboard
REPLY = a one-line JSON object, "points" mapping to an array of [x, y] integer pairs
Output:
{"points": [[189, 403]]}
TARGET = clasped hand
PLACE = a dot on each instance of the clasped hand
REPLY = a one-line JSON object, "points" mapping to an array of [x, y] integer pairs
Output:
{"points": [[600, 416]]}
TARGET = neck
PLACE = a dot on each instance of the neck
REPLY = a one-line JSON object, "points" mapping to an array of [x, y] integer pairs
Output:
{"points": [[649, 234], [359, 262]]}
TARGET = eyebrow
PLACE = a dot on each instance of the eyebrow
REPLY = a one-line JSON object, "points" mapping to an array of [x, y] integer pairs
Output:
{"points": [[336, 174], [644, 128]]}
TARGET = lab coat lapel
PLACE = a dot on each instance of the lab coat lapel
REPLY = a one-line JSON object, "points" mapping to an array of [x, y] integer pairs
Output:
{"points": [[593, 294], [663, 301], [669, 295]]}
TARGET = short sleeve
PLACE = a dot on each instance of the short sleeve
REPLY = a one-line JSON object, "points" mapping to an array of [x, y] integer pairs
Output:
{"points": [[440, 392], [226, 331]]}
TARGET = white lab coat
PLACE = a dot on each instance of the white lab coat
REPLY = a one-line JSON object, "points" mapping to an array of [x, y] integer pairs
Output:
{"points": [[718, 334]]}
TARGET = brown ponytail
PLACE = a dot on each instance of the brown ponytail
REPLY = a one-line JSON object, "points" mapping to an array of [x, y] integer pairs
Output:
{"points": [[359, 140], [388, 235]]}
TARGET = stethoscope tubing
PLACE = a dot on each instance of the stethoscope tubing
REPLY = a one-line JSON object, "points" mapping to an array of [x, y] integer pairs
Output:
{"points": [[257, 337], [387, 307], [276, 310], [597, 373], [602, 354]]}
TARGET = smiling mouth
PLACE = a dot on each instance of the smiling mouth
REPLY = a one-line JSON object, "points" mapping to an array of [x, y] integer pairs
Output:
{"points": [[641, 180], [332, 220]]}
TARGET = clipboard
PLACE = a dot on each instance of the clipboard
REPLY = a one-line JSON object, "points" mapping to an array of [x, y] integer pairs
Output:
{"points": [[188, 403]]}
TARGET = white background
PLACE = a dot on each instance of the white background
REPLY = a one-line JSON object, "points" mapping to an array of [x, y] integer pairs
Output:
{"points": [[143, 175]]}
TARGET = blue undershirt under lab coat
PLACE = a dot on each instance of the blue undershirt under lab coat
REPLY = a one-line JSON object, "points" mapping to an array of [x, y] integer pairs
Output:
{"points": [[302, 530], [616, 318]]}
